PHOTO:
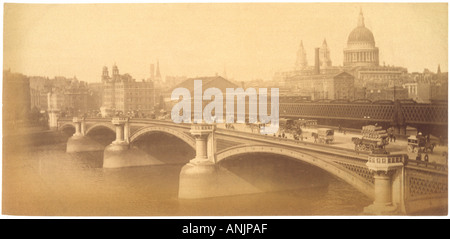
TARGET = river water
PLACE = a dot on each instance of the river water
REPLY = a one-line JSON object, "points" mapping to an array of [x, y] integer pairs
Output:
{"points": [[41, 179]]}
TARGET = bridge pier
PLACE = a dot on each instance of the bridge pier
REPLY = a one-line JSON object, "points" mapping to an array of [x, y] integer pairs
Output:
{"points": [[79, 142], [388, 199], [202, 177], [119, 154], [198, 177]]}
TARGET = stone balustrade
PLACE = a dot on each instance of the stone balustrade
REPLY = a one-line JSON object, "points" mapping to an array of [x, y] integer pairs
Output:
{"points": [[119, 120]]}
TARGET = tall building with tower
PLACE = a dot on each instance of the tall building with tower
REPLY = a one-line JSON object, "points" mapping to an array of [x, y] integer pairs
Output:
{"points": [[324, 55], [372, 80], [124, 95], [301, 62], [155, 74], [361, 49], [361, 60]]}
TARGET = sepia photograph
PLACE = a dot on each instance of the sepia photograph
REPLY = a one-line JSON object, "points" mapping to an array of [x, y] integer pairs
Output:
{"points": [[225, 109]]}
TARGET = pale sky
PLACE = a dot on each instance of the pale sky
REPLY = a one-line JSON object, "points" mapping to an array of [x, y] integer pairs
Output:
{"points": [[249, 40]]}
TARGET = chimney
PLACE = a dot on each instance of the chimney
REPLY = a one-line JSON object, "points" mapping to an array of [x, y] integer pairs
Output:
{"points": [[317, 63]]}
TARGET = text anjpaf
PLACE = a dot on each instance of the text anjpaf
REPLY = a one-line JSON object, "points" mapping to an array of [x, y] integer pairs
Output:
{"points": [[242, 229]]}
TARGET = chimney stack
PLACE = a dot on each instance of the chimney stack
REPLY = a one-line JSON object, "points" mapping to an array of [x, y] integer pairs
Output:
{"points": [[317, 63]]}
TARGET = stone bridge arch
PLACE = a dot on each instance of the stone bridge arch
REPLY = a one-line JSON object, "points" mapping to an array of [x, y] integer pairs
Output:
{"points": [[66, 125], [352, 178], [164, 129], [104, 125]]}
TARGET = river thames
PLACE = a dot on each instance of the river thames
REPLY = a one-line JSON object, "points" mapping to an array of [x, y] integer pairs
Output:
{"points": [[41, 179]]}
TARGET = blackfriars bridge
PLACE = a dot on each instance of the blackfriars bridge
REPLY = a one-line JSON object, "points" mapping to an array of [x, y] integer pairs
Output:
{"points": [[395, 184]]}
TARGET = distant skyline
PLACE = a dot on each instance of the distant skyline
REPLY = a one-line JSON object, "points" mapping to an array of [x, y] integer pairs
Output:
{"points": [[248, 40]]}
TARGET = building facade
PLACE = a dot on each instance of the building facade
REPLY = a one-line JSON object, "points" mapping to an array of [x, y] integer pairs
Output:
{"points": [[74, 97], [16, 97], [323, 86], [372, 80], [124, 95]]}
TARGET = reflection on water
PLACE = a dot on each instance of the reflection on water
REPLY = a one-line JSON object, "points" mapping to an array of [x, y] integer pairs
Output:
{"points": [[44, 180]]}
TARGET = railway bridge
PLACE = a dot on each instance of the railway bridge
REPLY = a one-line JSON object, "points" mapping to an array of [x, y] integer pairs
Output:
{"points": [[396, 184], [427, 118]]}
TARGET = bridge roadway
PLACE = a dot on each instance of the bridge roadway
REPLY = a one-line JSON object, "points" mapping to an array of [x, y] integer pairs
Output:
{"points": [[344, 140], [423, 185]]}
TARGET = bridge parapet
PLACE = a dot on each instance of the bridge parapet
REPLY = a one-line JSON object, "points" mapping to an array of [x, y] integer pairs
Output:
{"points": [[200, 129], [383, 163], [426, 186], [427, 166], [76, 120], [119, 120]]}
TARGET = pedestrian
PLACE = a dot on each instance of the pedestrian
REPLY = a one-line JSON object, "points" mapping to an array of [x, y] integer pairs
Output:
{"points": [[426, 158], [419, 157], [393, 136]]}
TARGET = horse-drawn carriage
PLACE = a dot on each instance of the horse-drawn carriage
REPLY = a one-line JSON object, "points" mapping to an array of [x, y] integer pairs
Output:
{"points": [[291, 126], [323, 135], [419, 143], [374, 139]]}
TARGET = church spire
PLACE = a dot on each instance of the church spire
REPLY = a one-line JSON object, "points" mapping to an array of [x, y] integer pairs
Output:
{"points": [[439, 69], [361, 18], [324, 54], [301, 57]]}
